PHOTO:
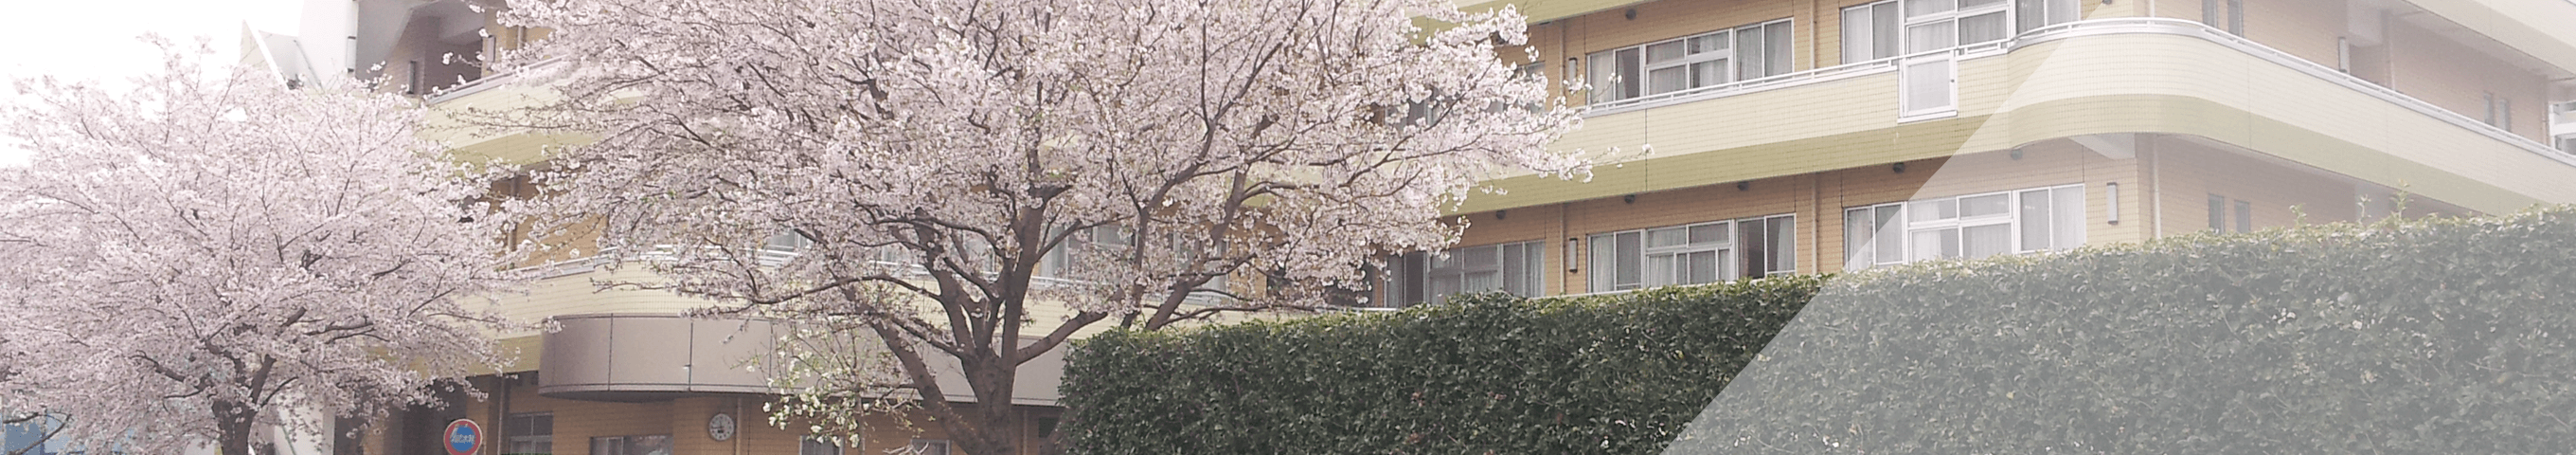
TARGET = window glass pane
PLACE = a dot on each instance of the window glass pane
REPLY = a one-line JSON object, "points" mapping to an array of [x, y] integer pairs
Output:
{"points": [[1664, 52], [1755, 248], [1927, 86], [1701, 267], [2235, 16], [1667, 237], [1856, 39], [1974, 4], [1935, 244], [2061, 11], [1783, 245], [2035, 218], [1919, 8], [1930, 37], [1444, 285], [1660, 269], [1987, 205], [2069, 217], [2244, 216], [1987, 240], [1933, 210], [1712, 42], [1884, 18], [608, 446], [2217, 213], [1632, 249], [1982, 28], [1483, 282], [812, 446], [1515, 268], [1604, 77], [1629, 80], [1406, 286], [659, 444], [1480, 258], [1603, 266], [2029, 14], [928, 447], [1891, 246], [1775, 53], [1668, 80], [1750, 65], [1708, 233], [1858, 230], [1708, 73], [1534, 271]]}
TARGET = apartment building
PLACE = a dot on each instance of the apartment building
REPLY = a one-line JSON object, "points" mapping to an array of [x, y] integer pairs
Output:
{"points": [[1738, 139], [1760, 137]]}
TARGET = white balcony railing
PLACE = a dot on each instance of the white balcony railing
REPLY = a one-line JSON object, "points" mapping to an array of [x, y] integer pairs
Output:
{"points": [[2111, 26]]}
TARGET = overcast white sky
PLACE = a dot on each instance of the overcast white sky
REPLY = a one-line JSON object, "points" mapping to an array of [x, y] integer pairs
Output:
{"points": [[95, 39]]}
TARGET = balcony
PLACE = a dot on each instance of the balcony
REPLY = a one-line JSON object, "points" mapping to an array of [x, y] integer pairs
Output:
{"points": [[2099, 76], [506, 92]]}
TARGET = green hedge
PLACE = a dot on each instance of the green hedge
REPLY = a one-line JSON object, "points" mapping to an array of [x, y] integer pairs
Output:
{"points": [[2428, 336], [2421, 336], [1490, 374]]}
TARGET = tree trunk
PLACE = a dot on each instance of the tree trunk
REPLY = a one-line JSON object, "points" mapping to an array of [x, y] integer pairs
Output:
{"points": [[232, 427], [982, 429], [996, 426]]}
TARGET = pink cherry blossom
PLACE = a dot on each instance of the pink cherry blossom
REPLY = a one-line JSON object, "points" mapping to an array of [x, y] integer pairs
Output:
{"points": [[943, 169]]}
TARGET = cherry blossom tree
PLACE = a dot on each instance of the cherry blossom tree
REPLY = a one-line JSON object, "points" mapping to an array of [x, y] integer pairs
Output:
{"points": [[190, 259], [945, 170]]}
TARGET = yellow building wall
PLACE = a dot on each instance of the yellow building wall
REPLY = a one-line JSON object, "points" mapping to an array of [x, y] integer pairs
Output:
{"points": [[2436, 69], [1818, 199], [2187, 174]]}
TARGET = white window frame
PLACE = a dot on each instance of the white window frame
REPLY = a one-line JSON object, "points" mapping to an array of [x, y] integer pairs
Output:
{"points": [[1903, 228], [510, 425], [928, 447], [2050, 12], [1694, 59], [1862, 26], [810, 441], [1936, 13], [1772, 65], [625, 445], [1612, 80], [1460, 266], [1662, 264], [2499, 112], [1939, 72], [1781, 253]]}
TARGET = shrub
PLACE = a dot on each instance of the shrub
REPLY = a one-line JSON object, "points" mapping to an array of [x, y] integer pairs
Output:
{"points": [[2410, 336], [2424, 336], [1484, 374]]}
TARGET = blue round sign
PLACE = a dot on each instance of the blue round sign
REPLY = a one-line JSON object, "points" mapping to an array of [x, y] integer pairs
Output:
{"points": [[462, 437]]}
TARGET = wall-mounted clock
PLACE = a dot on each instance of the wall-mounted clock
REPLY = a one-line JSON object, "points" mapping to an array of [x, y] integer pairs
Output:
{"points": [[721, 427]]}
